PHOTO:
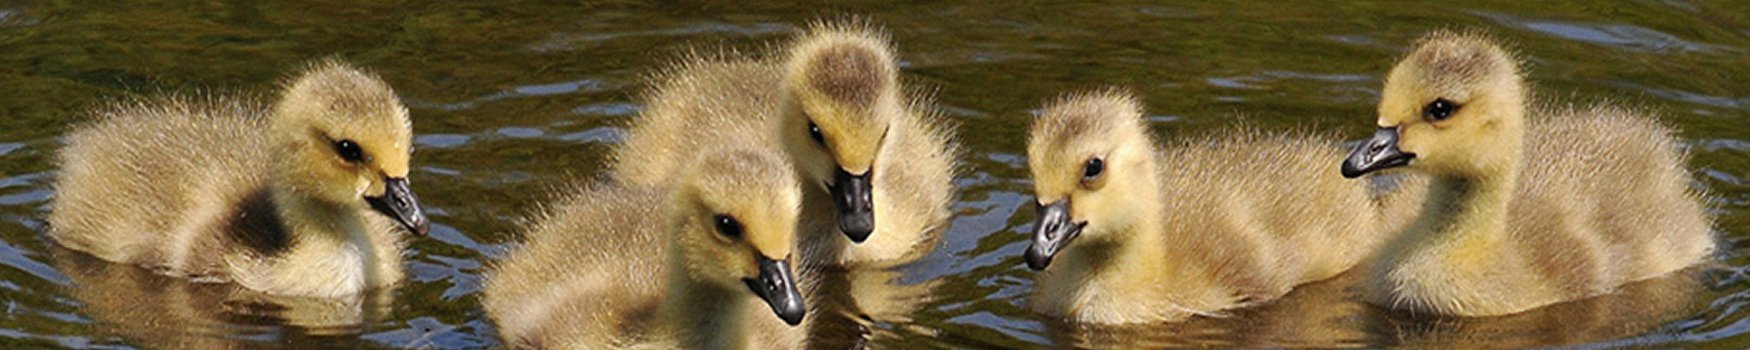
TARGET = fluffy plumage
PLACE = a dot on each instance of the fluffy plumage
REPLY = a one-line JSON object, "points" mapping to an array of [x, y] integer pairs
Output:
{"points": [[843, 80], [1525, 210], [623, 265], [231, 190], [700, 101], [1202, 225]]}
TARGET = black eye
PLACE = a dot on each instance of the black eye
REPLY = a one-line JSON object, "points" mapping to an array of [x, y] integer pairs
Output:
{"points": [[727, 226], [814, 131], [1439, 110], [349, 151], [1093, 169]]}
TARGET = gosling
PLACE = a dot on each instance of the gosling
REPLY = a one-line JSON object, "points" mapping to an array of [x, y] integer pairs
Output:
{"points": [[1126, 234], [277, 199], [1521, 212], [691, 266], [835, 106], [883, 158]]}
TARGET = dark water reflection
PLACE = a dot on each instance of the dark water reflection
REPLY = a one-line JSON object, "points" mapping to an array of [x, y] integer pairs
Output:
{"points": [[513, 99]]}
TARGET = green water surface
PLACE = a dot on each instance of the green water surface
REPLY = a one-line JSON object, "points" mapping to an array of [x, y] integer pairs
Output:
{"points": [[513, 98]]}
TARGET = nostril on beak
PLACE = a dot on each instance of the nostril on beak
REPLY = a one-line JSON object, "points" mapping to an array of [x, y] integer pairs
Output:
{"points": [[775, 285]]}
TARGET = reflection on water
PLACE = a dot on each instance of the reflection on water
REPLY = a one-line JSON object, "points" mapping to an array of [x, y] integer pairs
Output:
{"points": [[511, 100], [1632, 310], [1316, 315], [146, 308], [1326, 315]]}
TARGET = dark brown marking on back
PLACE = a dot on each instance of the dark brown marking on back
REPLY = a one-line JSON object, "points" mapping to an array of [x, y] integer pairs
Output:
{"points": [[256, 225]]}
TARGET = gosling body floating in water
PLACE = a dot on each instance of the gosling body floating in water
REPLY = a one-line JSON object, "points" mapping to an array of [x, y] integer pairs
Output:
{"points": [[1526, 207], [1129, 234], [702, 264], [307, 197], [875, 164]]}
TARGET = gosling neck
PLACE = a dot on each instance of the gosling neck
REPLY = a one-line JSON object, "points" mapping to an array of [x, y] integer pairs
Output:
{"points": [[1144, 241], [1468, 207], [309, 219], [703, 314]]}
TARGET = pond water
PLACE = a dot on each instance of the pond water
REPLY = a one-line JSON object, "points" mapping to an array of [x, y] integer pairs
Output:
{"points": [[511, 99]]}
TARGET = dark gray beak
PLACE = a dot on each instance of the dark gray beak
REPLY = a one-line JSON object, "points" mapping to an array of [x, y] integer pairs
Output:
{"points": [[854, 197], [778, 288], [399, 203], [1051, 233], [1376, 154]]}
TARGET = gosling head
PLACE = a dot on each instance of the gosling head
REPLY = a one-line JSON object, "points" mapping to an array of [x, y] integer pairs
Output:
{"points": [[343, 138], [1454, 106], [736, 219], [842, 96], [1088, 153]]}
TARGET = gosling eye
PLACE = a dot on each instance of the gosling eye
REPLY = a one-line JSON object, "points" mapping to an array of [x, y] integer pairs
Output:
{"points": [[349, 151], [1093, 169], [1439, 110], [727, 226], [814, 131]]}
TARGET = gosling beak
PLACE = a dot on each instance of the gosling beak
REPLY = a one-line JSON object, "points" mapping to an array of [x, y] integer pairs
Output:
{"points": [[1376, 154], [854, 198], [1051, 233], [399, 203], [777, 287]]}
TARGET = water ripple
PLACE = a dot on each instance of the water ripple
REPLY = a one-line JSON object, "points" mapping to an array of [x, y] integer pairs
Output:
{"points": [[427, 332], [1740, 103], [566, 41], [441, 140], [596, 135], [27, 197], [1624, 36], [1330, 78], [8, 147], [612, 109], [1020, 329], [31, 263], [1242, 83], [520, 132], [569, 87], [15, 18], [23, 179]]}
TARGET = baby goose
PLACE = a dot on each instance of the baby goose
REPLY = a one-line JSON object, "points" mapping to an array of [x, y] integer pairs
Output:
{"points": [[1205, 225], [274, 198], [693, 105], [884, 159], [837, 109], [1521, 212], [690, 266]]}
